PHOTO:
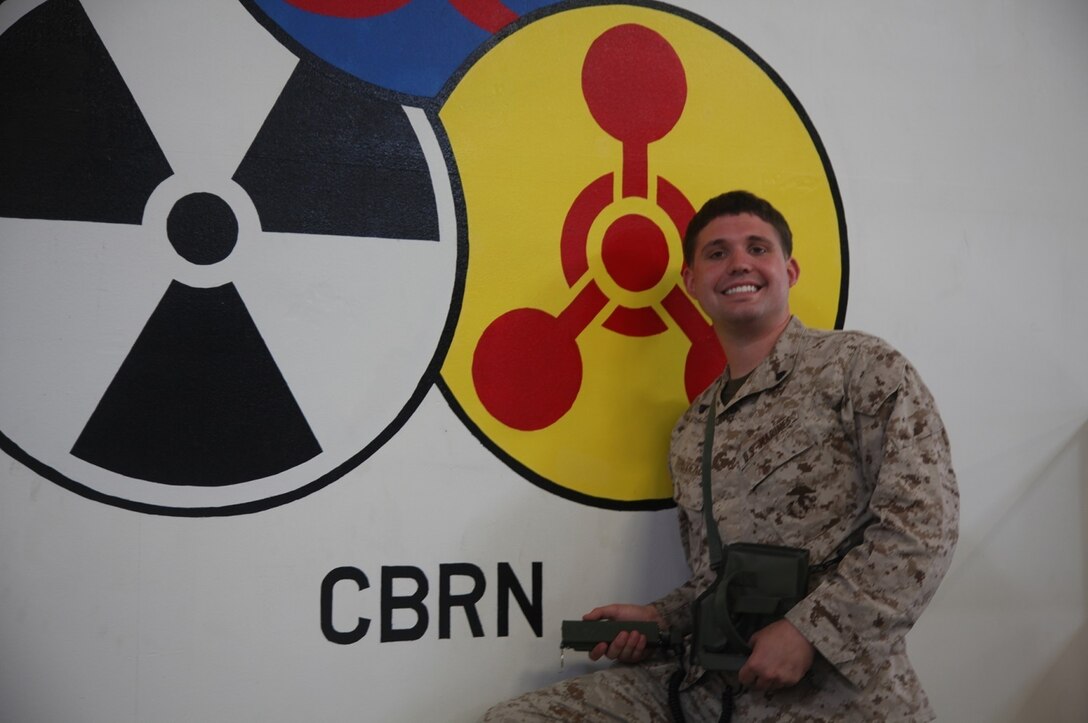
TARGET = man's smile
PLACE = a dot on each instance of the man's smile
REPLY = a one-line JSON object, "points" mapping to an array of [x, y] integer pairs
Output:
{"points": [[741, 289]]}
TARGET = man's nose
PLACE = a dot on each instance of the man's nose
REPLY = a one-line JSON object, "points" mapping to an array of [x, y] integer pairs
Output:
{"points": [[739, 264]]}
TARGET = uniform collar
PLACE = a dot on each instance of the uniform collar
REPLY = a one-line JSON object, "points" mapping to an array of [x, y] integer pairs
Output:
{"points": [[778, 365]]}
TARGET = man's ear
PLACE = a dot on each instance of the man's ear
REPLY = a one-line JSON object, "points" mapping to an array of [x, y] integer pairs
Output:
{"points": [[793, 271], [685, 274]]}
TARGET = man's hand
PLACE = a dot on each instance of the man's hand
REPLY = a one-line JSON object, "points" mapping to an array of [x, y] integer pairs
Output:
{"points": [[780, 657], [628, 646]]}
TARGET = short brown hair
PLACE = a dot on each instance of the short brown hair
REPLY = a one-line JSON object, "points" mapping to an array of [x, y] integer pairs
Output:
{"points": [[734, 203]]}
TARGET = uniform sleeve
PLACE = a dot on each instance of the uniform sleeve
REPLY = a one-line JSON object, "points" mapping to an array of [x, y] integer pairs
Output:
{"points": [[859, 613], [675, 607]]}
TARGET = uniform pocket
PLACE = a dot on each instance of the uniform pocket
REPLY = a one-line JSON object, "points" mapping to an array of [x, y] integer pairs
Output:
{"points": [[773, 449], [790, 487], [688, 493]]}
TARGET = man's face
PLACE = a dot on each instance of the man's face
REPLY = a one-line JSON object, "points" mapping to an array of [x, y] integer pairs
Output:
{"points": [[739, 274]]}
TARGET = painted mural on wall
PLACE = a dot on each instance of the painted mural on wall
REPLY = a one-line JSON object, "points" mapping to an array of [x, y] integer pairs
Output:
{"points": [[278, 229]]}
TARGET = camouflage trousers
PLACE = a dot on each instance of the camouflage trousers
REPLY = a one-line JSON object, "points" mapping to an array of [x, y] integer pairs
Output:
{"points": [[627, 693]]}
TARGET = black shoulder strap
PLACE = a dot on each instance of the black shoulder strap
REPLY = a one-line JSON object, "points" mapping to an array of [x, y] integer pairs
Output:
{"points": [[713, 538]]}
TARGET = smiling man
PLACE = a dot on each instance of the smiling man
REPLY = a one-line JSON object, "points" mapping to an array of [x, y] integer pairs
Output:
{"points": [[822, 441], [740, 268]]}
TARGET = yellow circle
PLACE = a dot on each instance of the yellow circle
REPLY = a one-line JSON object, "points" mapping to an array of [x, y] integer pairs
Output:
{"points": [[525, 145]]}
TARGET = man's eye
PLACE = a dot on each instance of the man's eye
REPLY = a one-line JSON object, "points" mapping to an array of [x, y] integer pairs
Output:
{"points": [[759, 250]]}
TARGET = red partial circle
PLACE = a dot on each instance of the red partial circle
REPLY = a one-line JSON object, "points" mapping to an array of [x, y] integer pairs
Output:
{"points": [[635, 252], [489, 15], [705, 362], [634, 84], [349, 8], [527, 369]]}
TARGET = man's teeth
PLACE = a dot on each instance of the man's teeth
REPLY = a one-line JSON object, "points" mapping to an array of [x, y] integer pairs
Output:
{"points": [[747, 288]]}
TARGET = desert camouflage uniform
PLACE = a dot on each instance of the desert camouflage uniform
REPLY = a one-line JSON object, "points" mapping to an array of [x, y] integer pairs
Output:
{"points": [[833, 432]]}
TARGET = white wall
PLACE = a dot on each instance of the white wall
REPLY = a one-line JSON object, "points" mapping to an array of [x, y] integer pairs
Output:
{"points": [[956, 131]]}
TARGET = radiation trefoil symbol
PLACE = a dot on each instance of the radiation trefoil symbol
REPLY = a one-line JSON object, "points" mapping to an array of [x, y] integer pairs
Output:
{"points": [[577, 348], [203, 306]]}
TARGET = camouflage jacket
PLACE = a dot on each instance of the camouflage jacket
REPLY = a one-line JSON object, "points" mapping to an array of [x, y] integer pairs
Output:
{"points": [[832, 432]]}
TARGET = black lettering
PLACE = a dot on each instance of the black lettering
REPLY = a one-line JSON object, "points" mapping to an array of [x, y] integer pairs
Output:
{"points": [[533, 611], [468, 600], [391, 602], [331, 633]]}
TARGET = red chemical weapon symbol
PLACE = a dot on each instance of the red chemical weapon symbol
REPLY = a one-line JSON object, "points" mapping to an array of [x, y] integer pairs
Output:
{"points": [[527, 367]]}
